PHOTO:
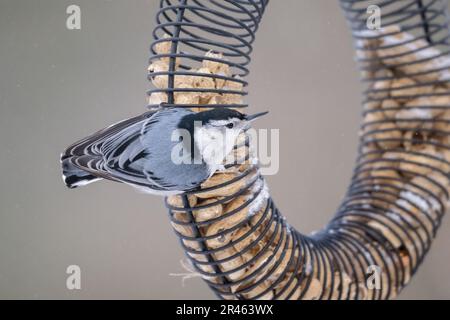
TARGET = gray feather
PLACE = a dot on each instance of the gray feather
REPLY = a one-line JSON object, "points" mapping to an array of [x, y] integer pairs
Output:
{"points": [[137, 151]]}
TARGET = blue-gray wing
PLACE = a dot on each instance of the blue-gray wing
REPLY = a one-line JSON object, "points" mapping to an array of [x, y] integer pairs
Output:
{"points": [[134, 152]]}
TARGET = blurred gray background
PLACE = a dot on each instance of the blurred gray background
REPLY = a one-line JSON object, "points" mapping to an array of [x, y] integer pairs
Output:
{"points": [[58, 85]]}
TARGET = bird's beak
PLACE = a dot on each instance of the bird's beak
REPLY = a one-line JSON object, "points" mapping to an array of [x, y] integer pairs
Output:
{"points": [[255, 116]]}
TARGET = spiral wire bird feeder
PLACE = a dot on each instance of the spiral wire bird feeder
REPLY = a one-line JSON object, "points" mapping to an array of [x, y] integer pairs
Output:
{"points": [[231, 230]]}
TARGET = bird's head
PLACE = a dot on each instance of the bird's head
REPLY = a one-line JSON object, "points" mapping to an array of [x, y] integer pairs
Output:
{"points": [[215, 131]]}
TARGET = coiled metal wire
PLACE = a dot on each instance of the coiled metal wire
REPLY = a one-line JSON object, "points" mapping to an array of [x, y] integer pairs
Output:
{"points": [[400, 185]]}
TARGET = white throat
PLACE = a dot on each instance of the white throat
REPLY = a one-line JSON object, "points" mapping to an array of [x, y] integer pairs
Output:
{"points": [[215, 144]]}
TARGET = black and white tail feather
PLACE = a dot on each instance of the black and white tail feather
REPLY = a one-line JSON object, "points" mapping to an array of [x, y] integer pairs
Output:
{"points": [[85, 161]]}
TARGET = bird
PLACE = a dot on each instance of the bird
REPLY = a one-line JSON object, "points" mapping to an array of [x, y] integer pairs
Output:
{"points": [[164, 152]]}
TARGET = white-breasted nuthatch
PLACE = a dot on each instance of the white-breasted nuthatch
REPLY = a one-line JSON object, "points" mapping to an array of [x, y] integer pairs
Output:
{"points": [[139, 151]]}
